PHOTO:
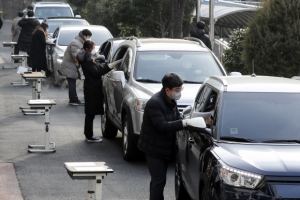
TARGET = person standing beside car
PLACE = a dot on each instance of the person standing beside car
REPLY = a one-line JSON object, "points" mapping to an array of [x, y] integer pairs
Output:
{"points": [[38, 48], [161, 121], [93, 94], [15, 31], [70, 66], [200, 34], [27, 25]]}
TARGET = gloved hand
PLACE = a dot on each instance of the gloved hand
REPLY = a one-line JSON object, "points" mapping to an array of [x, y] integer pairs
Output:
{"points": [[196, 122]]}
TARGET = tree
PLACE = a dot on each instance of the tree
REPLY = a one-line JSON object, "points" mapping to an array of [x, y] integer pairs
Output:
{"points": [[273, 39], [232, 57]]}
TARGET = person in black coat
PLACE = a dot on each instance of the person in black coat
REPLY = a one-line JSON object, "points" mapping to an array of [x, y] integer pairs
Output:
{"points": [[161, 121], [92, 89], [28, 25], [200, 34], [38, 48]]}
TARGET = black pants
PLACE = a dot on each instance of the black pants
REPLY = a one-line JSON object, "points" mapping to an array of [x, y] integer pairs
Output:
{"points": [[72, 90], [29, 61], [16, 50], [88, 125], [158, 171]]}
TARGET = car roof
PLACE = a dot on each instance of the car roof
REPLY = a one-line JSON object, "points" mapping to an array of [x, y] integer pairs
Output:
{"points": [[168, 44], [64, 18], [48, 4], [76, 27], [254, 84]]}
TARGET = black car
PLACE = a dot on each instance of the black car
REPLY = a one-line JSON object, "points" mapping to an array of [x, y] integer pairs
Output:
{"points": [[244, 142]]}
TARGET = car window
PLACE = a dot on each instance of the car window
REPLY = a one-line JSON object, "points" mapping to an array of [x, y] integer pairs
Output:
{"points": [[107, 49], [202, 99], [259, 116], [53, 24], [99, 36], [125, 66], [193, 67], [44, 12], [55, 33]]}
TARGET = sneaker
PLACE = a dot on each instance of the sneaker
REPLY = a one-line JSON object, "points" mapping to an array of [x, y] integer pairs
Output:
{"points": [[78, 103], [94, 139]]}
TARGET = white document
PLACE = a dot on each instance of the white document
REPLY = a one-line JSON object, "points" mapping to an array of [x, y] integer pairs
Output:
{"points": [[94, 169], [22, 69], [81, 164], [39, 101]]}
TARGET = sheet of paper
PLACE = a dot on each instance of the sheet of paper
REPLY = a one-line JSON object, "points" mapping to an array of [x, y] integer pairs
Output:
{"points": [[39, 101], [89, 169], [82, 164]]}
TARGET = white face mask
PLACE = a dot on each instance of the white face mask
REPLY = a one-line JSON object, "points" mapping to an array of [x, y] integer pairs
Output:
{"points": [[93, 52], [176, 95]]}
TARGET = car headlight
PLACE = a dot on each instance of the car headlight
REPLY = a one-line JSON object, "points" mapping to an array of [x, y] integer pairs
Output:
{"points": [[140, 104], [238, 178]]}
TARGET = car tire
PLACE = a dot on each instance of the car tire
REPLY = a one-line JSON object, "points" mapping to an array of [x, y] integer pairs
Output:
{"points": [[180, 191], [109, 131], [129, 150]]}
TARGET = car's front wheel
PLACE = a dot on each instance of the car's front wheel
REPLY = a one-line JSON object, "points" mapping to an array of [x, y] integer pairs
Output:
{"points": [[180, 192], [109, 131], [130, 150]]}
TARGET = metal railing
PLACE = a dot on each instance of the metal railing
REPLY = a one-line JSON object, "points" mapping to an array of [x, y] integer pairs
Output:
{"points": [[219, 46]]}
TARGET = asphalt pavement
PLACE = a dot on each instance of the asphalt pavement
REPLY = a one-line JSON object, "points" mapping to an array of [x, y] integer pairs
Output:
{"points": [[42, 176]]}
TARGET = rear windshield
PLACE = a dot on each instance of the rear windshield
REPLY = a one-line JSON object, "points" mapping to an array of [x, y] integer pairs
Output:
{"points": [[44, 12], [54, 24], [98, 36]]}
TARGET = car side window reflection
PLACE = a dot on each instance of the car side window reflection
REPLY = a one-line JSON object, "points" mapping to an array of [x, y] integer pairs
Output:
{"points": [[201, 101], [126, 63]]}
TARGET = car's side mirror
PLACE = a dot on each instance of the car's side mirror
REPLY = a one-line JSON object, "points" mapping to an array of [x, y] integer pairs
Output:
{"points": [[118, 76], [186, 111]]}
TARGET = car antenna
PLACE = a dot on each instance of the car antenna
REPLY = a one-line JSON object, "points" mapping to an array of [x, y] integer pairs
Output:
{"points": [[253, 74]]}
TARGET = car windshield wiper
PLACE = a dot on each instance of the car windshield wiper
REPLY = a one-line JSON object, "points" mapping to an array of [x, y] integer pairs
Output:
{"points": [[281, 141], [148, 80], [237, 139], [196, 82]]}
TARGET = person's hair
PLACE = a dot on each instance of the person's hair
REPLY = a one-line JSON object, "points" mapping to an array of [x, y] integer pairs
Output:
{"points": [[30, 13], [200, 25], [86, 32], [171, 80], [29, 8], [87, 45], [20, 14], [43, 25]]}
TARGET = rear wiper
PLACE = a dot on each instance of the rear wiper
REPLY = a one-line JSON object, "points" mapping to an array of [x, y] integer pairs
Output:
{"points": [[237, 139], [147, 80], [196, 82], [281, 141]]}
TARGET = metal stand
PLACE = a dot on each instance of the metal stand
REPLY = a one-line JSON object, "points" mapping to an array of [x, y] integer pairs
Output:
{"points": [[12, 45], [94, 172], [23, 81], [49, 146], [36, 78]]}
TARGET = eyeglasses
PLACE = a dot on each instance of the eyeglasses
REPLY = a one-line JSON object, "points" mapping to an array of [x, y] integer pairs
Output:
{"points": [[179, 89]]}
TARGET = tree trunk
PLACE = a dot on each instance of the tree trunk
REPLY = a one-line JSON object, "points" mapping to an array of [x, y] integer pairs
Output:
{"points": [[178, 10]]}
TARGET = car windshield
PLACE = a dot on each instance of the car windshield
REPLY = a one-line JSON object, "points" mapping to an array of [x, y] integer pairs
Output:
{"points": [[260, 116], [193, 67], [98, 36], [44, 12], [54, 24]]}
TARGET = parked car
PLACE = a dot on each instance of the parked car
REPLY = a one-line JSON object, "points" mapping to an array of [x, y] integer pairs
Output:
{"points": [[43, 10], [250, 149], [63, 37], [138, 77], [55, 22], [109, 47]]}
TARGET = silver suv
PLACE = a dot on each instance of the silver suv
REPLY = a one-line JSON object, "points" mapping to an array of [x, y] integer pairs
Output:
{"points": [[138, 77]]}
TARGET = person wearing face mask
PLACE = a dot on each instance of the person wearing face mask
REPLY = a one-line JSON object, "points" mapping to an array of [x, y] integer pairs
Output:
{"points": [[69, 66], [161, 121], [93, 94]]}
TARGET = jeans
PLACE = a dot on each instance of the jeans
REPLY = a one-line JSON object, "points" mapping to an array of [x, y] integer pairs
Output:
{"points": [[158, 171], [88, 125], [72, 90]]}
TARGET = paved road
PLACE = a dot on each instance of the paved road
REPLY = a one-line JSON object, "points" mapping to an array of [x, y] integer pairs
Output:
{"points": [[43, 176]]}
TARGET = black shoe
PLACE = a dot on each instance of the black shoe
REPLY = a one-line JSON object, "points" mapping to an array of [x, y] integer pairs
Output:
{"points": [[77, 103], [94, 139]]}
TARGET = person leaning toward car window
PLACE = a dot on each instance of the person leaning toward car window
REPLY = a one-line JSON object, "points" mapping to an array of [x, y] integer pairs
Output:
{"points": [[69, 66], [27, 27], [15, 31], [161, 121], [92, 88], [38, 48]]}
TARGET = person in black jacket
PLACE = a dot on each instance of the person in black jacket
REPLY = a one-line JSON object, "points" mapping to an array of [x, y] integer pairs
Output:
{"points": [[28, 25], [38, 48], [92, 89], [161, 121], [200, 34]]}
